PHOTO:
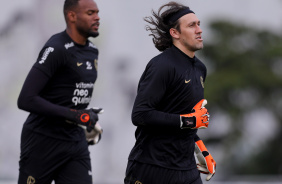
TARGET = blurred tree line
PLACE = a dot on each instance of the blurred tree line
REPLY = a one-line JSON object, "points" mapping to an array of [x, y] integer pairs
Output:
{"points": [[244, 84]]}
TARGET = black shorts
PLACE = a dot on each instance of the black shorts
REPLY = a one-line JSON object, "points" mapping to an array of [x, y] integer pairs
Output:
{"points": [[44, 159], [139, 173]]}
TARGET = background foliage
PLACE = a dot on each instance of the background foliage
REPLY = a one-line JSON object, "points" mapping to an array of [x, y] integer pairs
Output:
{"points": [[244, 85]]}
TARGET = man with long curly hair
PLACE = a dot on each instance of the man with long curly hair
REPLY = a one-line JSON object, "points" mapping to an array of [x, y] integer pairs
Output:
{"points": [[169, 106]]}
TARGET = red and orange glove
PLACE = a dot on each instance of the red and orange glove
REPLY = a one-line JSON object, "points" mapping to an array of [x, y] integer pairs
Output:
{"points": [[198, 119], [87, 118], [207, 164]]}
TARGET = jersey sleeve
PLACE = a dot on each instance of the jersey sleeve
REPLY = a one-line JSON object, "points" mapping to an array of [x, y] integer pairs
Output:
{"points": [[50, 59], [30, 99], [151, 90], [48, 62]]}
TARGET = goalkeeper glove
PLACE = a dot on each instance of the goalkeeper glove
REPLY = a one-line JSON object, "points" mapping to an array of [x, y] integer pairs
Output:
{"points": [[95, 135], [87, 118], [206, 164], [198, 119]]}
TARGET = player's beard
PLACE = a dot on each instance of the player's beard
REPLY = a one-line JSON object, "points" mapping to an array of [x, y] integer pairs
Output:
{"points": [[198, 47], [195, 47], [93, 34], [88, 33]]}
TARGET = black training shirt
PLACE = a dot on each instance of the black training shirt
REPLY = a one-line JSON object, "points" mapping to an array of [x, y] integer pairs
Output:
{"points": [[171, 84], [63, 77]]}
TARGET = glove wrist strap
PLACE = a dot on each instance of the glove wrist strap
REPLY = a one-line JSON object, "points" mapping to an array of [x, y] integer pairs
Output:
{"points": [[188, 122]]}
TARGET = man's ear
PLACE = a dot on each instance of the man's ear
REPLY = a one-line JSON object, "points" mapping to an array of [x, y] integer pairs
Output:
{"points": [[174, 33], [71, 16]]}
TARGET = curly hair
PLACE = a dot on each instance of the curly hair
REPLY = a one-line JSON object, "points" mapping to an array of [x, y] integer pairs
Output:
{"points": [[161, 24]]}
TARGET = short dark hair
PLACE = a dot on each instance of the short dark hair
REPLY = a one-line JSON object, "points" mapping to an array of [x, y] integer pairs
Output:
{"points": [[68, 5], [161, 24]]}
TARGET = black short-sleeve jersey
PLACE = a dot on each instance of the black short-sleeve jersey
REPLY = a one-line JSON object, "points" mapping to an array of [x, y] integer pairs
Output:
{"points": [[172, 84], [72, 72]]}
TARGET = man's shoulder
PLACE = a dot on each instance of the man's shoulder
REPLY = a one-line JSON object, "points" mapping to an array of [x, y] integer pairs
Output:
{"points": [[59, 41], [164, 59], [91, 44]]}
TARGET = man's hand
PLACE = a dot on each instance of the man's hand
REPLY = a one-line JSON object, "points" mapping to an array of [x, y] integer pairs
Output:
{"points": [[198, 119], [87, 117], [207, 164], [95, 135]]}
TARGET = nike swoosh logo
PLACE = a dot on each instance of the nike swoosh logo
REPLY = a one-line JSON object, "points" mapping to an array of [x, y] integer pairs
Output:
{"points": [[79, 64], [187, 81]]}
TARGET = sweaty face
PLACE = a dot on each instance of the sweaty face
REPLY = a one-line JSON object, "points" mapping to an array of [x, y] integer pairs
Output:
{"points": [[87, 22], [190, 35]]}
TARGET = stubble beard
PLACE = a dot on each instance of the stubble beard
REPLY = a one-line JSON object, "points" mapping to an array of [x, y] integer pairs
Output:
{"points": [[195, 47], [88, 33], [93, 34], [199, 47]]}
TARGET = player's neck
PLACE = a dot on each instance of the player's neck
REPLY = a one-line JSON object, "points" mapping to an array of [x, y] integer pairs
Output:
{"points": [[186, 51], [76, 37]]}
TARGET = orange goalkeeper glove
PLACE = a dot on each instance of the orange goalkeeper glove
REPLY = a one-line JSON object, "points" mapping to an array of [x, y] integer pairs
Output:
{"points": [[198, 119], [207, 164]]}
